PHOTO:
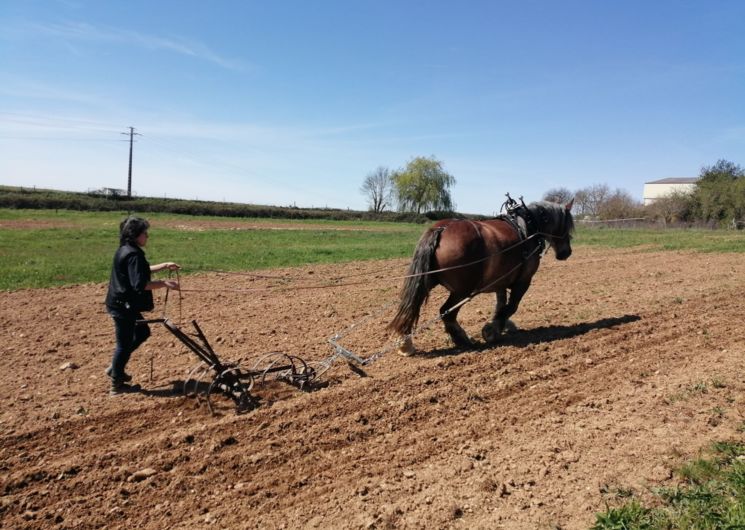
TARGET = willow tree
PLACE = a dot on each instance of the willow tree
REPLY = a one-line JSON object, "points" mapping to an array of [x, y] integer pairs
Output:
{"points": [[423, 185]]}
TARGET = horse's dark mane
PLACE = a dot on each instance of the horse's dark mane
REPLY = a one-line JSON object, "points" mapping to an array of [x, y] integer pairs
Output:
{"points": [[557, 214]]}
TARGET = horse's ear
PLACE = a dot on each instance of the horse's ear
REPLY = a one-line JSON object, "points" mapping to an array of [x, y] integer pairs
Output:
{"points": [[569, 205]]}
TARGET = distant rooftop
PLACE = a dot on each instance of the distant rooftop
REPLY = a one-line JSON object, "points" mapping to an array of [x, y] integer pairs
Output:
{"points": [[675, 180]]}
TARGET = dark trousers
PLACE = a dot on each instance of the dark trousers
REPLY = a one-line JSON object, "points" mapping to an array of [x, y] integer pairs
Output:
{"points": [[129, 336]]}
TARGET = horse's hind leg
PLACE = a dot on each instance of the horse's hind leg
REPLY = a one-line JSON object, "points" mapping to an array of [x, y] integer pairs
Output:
{"points": [[457, 334], [406, 347]]}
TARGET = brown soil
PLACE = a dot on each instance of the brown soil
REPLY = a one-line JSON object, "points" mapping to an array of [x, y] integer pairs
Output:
{"points": [[627, 364]]}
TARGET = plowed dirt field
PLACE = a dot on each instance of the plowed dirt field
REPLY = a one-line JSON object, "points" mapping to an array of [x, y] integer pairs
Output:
{"points": [[626, 364]]}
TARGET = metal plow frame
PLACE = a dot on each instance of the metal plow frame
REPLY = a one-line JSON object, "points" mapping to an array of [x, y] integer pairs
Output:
{"points": [[229, 379]]}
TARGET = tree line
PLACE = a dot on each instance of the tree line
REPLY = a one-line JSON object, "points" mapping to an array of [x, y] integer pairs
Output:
{"points": [[423, 185], [420, 192], [43, 199], [717, 199]]}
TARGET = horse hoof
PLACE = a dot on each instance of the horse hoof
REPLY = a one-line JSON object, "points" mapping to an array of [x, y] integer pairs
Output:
{"points": [[463, 343], [509, 326], [407, 349], [489, 334]]}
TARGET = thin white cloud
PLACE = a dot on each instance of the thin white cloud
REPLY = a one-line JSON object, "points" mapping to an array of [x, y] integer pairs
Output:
{"points": [[237, 132], [85, 32], [21, 123], [23, 88], [185, 127]]}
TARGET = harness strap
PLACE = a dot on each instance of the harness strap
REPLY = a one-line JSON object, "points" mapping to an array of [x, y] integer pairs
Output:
{"points": [[526, 226]]}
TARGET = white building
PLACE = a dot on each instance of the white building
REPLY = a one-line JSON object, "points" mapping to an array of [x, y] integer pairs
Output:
{"points": [[664, 187]]}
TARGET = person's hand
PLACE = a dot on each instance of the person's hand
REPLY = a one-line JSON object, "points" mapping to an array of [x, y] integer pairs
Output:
{"points": [[171, 284], [171, 266]]}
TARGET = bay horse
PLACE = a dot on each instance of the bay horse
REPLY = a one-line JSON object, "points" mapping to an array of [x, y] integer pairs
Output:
{"points": [[472, 257]]}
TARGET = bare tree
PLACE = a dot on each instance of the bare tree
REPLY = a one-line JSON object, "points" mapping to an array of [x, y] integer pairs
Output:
{"points": [[580, 202], [677, 207], [591, 199], [558, 195], [619, 205], [378, 188]]}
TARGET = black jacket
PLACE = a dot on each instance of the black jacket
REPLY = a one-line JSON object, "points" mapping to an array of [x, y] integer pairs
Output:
{"points": [[130, 273]]}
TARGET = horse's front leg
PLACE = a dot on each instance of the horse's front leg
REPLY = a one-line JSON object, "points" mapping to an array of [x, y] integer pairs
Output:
{"points": [[498, 326], [502, 315], [492, 330]]}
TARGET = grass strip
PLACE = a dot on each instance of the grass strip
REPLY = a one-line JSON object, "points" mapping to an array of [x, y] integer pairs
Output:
{"points": [[711, 495], [44, 249]]}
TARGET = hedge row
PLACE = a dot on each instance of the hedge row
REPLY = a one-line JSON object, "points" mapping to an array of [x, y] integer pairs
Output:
{"points": [[13, 197]]}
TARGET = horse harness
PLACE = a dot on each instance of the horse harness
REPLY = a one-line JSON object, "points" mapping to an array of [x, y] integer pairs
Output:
{"points": [[525, 224], [519, 217]]}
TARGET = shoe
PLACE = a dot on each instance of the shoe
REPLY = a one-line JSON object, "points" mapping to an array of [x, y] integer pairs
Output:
{"points": [[120, 387], [126, 377]]}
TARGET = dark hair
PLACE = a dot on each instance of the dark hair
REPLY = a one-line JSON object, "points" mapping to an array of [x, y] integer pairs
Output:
{"points": [[131, 228]]}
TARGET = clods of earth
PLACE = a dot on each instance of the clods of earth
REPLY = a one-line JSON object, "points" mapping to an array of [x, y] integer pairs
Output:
{"points": [[625, 364]]}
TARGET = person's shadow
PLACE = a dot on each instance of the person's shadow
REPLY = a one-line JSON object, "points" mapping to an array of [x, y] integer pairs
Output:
{"points": [[521, 338], [174, 389]]}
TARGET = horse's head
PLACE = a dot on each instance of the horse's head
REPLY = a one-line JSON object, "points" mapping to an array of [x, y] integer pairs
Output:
{"points": [[556, 225]]}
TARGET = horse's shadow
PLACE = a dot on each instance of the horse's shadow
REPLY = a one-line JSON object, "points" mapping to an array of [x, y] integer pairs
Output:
{"points": [[522, 338]]}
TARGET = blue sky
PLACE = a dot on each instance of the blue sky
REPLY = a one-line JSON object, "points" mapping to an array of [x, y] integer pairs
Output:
{"points": [[295, 102]]}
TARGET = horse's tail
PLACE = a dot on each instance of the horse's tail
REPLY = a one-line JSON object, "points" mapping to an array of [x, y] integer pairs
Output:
{"points": [[418, 283]]}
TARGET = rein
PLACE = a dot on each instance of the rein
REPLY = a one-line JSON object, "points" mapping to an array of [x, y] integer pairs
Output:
{"points": [[341, 351], [538, 234], [180, 297], [362, 274]]}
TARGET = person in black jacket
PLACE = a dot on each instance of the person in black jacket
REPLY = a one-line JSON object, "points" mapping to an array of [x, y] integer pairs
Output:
{"points": [[130, 293]]}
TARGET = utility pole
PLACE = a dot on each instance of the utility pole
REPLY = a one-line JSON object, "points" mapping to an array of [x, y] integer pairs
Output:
{"points": [[131, 134]]}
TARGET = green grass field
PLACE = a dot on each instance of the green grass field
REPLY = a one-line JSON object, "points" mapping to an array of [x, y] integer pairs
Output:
{"points": [[77, 247], [699, 240], [67, 247]]}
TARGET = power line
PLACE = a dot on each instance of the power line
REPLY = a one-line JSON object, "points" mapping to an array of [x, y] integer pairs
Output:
{"points": [[131, 134]]}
